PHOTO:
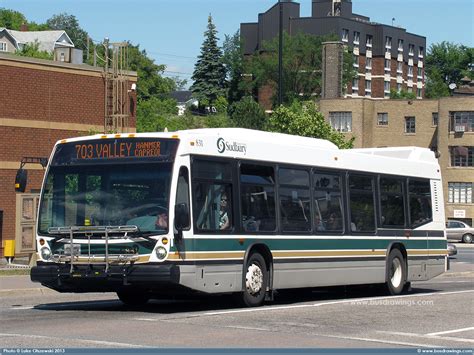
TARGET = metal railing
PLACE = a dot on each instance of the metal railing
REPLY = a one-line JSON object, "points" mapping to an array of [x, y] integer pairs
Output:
{"points": [[89, 231]]}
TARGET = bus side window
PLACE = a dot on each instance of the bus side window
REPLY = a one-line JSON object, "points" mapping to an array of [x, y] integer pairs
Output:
{"points": [[212, 198], [295, 212], [362, 206], [328, 202], [420, 201], [257, 198], [392, 203]]}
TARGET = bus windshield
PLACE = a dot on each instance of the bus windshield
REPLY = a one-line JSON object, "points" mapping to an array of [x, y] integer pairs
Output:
{"points": [[127, 185]]}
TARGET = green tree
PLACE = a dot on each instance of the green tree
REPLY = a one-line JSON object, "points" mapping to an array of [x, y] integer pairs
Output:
{"points": [[403, 94], [209, 71], [11, 19], [247, 113], [233, 60], [70, 24], [447, 63], [302, 63], [303, 119], [32, 50], [151, 82]]}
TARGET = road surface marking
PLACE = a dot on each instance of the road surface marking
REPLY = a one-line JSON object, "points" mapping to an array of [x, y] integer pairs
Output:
{"points": [[428, 336], [22, 307], [330, 303], [248, 328], [452, 331], [97, 342], [382, 341]]}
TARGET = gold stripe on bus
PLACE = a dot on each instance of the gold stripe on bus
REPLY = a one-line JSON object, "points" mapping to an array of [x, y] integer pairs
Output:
{"points": [[328, 253], [427, 252], [206, 255]]}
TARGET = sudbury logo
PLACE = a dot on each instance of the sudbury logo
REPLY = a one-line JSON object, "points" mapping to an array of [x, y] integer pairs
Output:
{"points": [[223, 145]]}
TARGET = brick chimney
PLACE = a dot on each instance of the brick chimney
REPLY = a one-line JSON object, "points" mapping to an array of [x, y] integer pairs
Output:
{"points": [[332, 63], [24, 27]]}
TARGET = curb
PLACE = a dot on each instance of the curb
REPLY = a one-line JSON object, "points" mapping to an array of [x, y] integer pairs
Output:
{"points": [[456, 274], [27, 291]]}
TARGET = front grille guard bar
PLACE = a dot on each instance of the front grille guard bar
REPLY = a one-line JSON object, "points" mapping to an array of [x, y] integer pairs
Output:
{"points": [[88, 231]]}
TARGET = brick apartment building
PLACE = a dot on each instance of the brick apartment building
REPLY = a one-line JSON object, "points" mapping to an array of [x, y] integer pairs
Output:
{"points": [[386, 57], [446, 126], [42, 101]]}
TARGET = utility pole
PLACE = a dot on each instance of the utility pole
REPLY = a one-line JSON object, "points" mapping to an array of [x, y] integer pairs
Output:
{"points": [[280, 56]]}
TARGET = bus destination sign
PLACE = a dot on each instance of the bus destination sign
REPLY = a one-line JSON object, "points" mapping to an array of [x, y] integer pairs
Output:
{"points": [[121, 149], [115, 150]]}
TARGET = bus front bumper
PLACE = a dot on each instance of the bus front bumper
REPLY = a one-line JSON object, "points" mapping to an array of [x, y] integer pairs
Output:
{"points": [[95, 278]]}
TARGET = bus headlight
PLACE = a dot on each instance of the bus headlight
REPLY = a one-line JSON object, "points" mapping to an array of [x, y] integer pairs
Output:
{"points": [[161, 253], [45, 253]]}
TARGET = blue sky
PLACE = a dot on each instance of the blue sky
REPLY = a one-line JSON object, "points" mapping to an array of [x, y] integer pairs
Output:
{"points": [[171, 31]]}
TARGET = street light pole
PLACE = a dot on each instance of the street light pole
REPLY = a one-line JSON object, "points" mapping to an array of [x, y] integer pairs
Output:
{"points": [[280, 57]]}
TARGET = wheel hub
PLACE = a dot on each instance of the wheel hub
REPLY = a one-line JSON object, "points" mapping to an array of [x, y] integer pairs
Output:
{"points": [[254, 279], [396, 272]]}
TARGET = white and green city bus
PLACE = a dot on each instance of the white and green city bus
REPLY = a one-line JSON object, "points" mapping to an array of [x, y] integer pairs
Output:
{"points": [[221, 211]]}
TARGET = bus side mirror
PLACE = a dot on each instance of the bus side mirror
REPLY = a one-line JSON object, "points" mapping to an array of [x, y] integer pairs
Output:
{"points": [[181, 217], [20, 180]]}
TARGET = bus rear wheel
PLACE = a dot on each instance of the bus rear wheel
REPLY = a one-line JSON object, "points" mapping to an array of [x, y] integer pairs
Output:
{"points": [[256, 281], [396, 272], [133, 298]]}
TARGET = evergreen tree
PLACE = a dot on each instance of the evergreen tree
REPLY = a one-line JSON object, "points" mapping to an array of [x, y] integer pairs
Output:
{"points": [[209, 71]]}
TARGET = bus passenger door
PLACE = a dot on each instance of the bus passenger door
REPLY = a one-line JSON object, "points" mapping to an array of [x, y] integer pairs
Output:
{"points": [[182, 210]]}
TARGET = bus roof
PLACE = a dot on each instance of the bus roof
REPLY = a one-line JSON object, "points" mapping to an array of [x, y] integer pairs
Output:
{"points": [[289, 149]]}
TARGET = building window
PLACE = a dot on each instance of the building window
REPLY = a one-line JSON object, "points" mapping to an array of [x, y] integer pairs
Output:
{"points": [[355, 86], [3, 46], [387, 65], [368, 41], [410, 124], [368, 87], [410, 89], [400, 67], [411, 49], [386, 87], [356, 37], [400, 45], [356, 61], [420, 73], [462, 121], [462, 156], [345, 35], [341, 121], [382, 119], [410, 71], [434, 119], [399, 87], [419, 93], [368, 63], [460, 192], [421, 52], [388, 42]]}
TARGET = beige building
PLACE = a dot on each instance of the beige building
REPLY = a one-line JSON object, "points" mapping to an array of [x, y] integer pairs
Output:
{"points": [[446, 126]]}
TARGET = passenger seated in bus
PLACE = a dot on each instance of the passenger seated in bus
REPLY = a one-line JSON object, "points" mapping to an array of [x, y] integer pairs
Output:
{"points": [[333, 223], [320, 225], [224, 222]]}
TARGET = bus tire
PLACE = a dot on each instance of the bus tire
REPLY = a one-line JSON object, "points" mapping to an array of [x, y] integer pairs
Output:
{"points": [[133, 298], [396, 272], [255, 281]]}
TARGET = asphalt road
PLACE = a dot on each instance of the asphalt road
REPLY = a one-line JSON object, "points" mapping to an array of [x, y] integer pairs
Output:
{"points": [[436, 313]]}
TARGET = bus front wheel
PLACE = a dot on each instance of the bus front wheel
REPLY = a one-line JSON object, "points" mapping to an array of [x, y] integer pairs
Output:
{"points": [[256, 280], [396, 272]]}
